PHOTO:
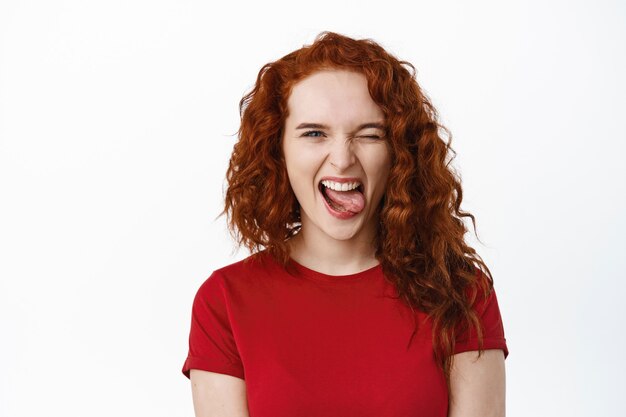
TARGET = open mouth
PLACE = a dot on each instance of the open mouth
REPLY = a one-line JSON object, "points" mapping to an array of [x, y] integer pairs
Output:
{"points": [[337, 206]]}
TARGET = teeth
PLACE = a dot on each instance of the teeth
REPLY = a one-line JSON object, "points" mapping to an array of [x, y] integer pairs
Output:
{"points": [[346, 186]]}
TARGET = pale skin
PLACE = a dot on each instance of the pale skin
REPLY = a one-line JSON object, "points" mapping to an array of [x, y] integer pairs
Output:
{"points": [[477, 384], [339, 103]]}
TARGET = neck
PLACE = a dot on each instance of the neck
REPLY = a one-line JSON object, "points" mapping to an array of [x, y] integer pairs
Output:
{"points": [[316, 250]]}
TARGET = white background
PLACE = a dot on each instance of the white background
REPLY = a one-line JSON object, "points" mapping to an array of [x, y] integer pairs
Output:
{"points": [[117, 119]]}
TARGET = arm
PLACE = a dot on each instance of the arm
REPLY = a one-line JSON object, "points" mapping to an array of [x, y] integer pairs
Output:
{"points": [[477, 385], [218, 395]]}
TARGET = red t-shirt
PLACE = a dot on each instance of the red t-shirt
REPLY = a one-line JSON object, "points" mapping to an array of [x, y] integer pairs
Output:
{"points": [[322, 345]]}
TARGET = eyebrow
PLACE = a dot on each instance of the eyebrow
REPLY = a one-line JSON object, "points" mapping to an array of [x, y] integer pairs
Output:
{"points": [[322, 126]]}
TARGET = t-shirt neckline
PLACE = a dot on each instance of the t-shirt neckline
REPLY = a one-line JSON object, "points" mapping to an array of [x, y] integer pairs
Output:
{"points": [[320, 276]]}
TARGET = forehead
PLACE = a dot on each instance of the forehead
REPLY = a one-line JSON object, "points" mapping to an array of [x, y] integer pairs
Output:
{"points": [[333, 95]]}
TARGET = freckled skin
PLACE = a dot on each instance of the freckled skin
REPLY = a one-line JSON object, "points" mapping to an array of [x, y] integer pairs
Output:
{"points": [[340, 100]]}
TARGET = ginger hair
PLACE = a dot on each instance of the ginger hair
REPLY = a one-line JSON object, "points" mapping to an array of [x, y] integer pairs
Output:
{"points": [[420, 238]]}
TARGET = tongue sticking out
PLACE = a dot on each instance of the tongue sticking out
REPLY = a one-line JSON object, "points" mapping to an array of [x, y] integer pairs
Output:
{"points": [[347, 200]]}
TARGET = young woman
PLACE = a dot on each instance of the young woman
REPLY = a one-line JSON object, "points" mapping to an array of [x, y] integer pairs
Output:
{"points": [[360, 297]]}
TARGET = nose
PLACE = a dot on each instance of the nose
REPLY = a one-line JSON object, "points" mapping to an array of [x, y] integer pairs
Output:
{"points": [[341, 155]]}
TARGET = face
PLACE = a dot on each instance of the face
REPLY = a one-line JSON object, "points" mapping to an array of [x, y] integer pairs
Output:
{"points": [[335, 129]]}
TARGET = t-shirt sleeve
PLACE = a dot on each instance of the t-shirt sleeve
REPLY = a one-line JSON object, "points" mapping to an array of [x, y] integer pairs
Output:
{"points": [[212, 344], [493, 329]]}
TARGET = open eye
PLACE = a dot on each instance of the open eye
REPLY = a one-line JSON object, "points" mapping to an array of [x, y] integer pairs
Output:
{"points": [[313, 133]]}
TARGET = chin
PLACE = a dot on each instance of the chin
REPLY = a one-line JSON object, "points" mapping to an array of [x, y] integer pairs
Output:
{"points": [[343, 232]]}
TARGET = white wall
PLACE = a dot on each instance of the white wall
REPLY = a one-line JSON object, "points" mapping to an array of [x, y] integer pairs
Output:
{"points": [[116, 124]]}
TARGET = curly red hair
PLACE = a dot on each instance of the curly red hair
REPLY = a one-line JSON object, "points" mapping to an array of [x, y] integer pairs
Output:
{"points": [[420, 236]]}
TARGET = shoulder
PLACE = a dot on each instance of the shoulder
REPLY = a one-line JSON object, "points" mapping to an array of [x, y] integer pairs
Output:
{"points": [[254, 263], [481, 292], [231, 280], [253, 268]]}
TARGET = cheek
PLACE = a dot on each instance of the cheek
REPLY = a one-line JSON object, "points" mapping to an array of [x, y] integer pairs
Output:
{"points": [[302, 162], [301, 172], [379, 164]]}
